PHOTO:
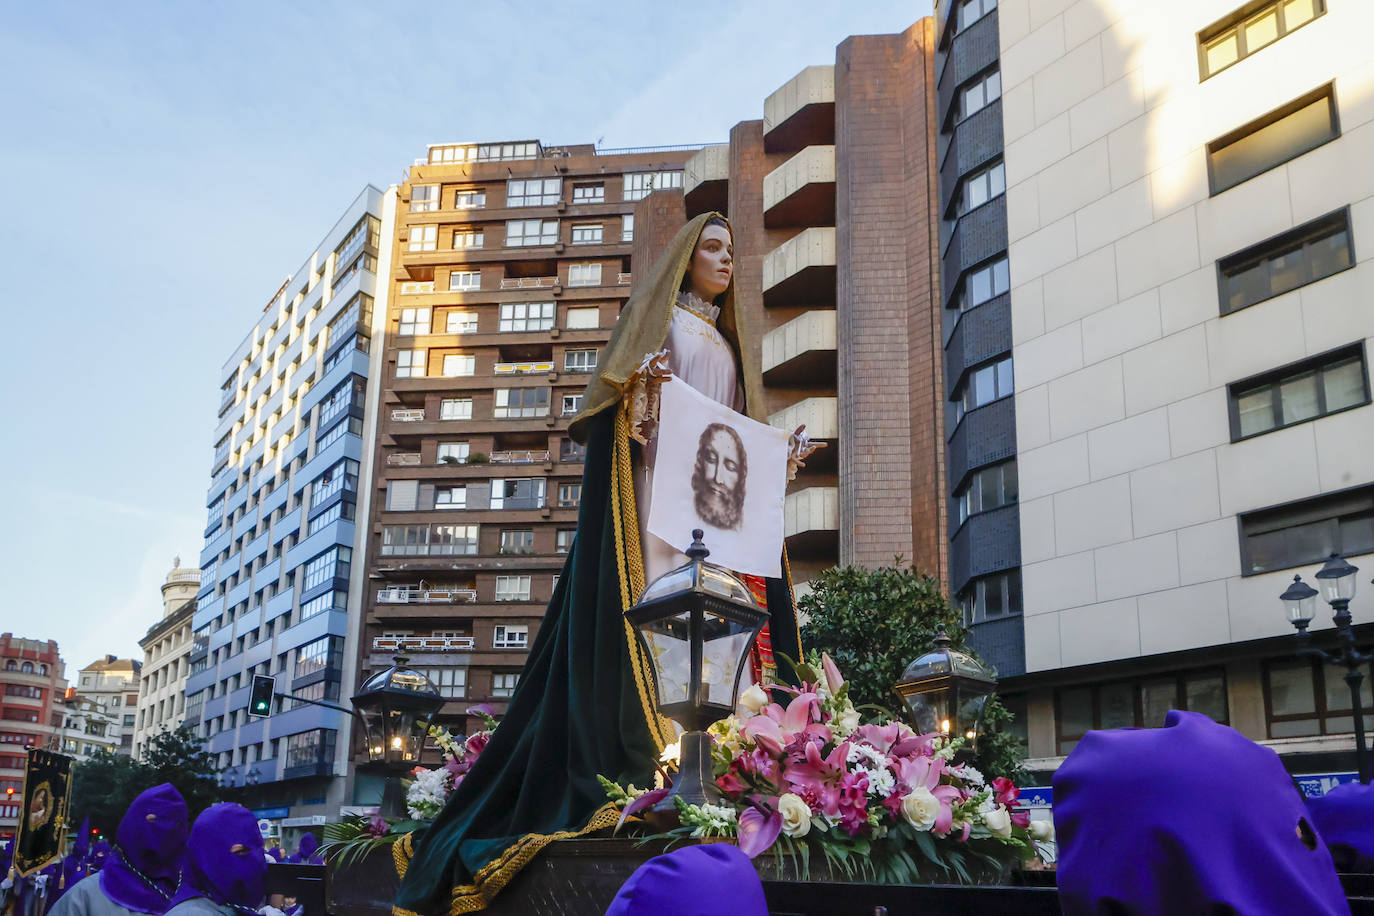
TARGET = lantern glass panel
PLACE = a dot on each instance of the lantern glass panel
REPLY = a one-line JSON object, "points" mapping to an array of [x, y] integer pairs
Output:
{"points": [[929, 711], [669, 644], [725, 643], [376, 734], [970, 712]]}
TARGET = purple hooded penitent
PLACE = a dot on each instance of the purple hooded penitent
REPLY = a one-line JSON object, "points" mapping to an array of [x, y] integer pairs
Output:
{"points": [[100, 854], [1345, 819], [225, 859], [144, 869], [1190, 818], [693, 882], [305, 852]]}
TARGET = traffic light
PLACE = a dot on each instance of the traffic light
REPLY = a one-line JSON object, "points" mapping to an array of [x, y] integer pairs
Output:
{"points": [[260, 699]]}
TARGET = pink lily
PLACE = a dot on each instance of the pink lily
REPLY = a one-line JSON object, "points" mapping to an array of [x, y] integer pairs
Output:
{"points": [[759, 826], [764, 732], [646, 800], [833, 679]]}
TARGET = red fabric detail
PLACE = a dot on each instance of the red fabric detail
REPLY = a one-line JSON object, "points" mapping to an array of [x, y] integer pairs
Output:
{"points": [[761, 655]]}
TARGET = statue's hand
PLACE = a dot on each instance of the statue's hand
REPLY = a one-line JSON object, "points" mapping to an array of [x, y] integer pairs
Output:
{"points": [[799, 448]]}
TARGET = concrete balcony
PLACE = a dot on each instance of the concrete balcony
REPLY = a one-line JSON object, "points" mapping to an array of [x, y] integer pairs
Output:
{"points": [[811, 520], [801, 191], [706, 179], [801, 270], [801, 112], [801, 352], [820, 416]]}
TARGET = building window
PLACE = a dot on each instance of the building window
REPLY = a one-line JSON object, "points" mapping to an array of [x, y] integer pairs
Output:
{"points": [[424, 238], [1315, 387], [582, 319], [470, 200], [410, 363], [1272, 139], [589, 193], [985, 489], [461, 281], [584, 274], [521, 493], [1141, 703], [533, 192], [461, 323], [503, 684], [1295, 258], [467, 238], [639, 185], [424, 198], [1307, 531], [517, 541], [428, 540], [455, 409], [979, 93], [527, 316], [450, 497], [512, 588], [332, 564], [511, 637], [570, 450], [522, 233], [627, 227], [579, 360], [562, 540], [991, 597], [981, 187], [1241, 34], [402, 495], [569, 495], [452, 452], [983, 284], [452, 682], [981, 386], [572, 403], [586, 234], [1303, 697], [458, 364], [520, 402], [413, 321]]}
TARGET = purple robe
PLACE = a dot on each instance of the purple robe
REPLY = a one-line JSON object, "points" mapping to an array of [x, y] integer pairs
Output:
{"points": [[1345, 819], [1190, 818], [693, 881]]}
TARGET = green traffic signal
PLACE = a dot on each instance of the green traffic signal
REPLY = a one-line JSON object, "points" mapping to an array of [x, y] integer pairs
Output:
{"points": [[260, 698]]}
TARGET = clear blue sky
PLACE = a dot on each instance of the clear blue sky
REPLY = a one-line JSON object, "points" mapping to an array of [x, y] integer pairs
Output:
{"points": [[167, 164]]}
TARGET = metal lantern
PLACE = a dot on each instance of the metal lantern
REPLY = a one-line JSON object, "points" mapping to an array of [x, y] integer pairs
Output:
{"points": [[696, 625], [945, 690], [1300, 603], [396, 706], [1337, 581]]}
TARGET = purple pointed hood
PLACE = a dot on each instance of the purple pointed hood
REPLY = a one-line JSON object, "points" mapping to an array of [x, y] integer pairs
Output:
{"points": [[100, 854], [1190, 818], [672, 884], [1345, 819], [145, 867], [305, 852], [216, 870]]}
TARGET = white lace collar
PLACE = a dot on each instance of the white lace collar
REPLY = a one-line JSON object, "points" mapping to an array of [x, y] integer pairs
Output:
{"points": [[698, 306]]}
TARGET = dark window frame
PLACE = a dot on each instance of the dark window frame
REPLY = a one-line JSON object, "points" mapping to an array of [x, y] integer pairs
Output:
{"points": [[1302, 236], [1326, 91], [971, 586], [1359, 499], [966, 486], [1180, 679], [1274, 378], [1236, 18], [1321, 711]]}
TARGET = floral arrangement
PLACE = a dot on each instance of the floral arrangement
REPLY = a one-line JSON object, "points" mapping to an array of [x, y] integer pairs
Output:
{"points": [[427, 791], [875, 800]]}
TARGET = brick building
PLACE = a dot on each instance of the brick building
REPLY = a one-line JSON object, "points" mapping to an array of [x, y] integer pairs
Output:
{"points": [[30, 713], [511, 264]]}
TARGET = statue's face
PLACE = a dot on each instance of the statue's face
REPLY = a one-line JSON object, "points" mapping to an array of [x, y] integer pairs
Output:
{"points": [[713, 263]]}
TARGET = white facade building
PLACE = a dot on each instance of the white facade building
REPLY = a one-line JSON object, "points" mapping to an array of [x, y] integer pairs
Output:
{"points": [[112, 685], [166, 659]]}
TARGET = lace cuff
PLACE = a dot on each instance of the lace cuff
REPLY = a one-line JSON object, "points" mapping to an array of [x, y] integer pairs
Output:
{"points": [[641, 395]]}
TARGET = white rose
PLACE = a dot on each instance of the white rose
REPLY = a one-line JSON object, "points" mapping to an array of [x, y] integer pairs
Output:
{"points": [[998, 821], [920, 808], [847, 722], [1042, 831], [796, 816], [753, 699]]}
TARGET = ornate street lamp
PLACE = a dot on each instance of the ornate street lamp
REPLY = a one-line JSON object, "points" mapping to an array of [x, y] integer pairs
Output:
{"points": [[945, 690], [696, 625], [396, 706], [1337, 581]]}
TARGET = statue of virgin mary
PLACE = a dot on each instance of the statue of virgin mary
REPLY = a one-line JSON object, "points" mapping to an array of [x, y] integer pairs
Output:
{"points": [[584, 704]]}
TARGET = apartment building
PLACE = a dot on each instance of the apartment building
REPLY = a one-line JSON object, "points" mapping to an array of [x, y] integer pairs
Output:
{"points": [[87, 727], [166, 658], [1184, 190], [30, 714], [279, 584], [111, 684], [832, 198], [512, 262]]}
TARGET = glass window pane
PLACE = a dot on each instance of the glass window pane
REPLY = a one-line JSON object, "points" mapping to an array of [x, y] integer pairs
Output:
{"points": [[1156, 700], [1075, 712], [1298, 398], [1256, 411], [1291, 692], [990, 482], [1343, 384], [980, 286], [1010, 483], [994, 599], [1004, 385], [985, 381], [1291, 546], [1118, 705], [1261, 30], [1296, 12], [1287, 271], [1014, 604], [1338, 693], [1298, 729], [994, 86], [1329, 254], [1001, 277], [1357, 535], [1222, 52], [1247, 286], [1207, 695], [997, 181]]}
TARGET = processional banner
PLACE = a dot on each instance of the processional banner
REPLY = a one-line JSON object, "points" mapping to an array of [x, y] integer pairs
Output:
{"points": [[42, 827]]}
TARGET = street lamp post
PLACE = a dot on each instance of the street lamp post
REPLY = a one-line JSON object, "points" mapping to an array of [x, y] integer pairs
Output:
{"points": [[396, 706], [1337, 581]]}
